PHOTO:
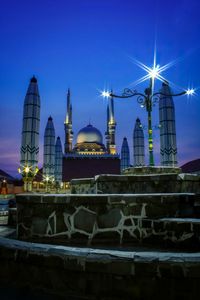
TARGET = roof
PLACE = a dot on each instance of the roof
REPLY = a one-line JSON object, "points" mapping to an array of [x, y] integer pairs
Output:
{"points": [[89, 134], [191, 166]]}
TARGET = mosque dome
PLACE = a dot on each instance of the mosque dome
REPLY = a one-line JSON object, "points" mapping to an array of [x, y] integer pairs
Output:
{"points": [[89, 134]]}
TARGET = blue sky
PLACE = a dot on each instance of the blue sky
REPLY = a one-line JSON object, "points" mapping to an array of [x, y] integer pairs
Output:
{"points": [[86, 45]]}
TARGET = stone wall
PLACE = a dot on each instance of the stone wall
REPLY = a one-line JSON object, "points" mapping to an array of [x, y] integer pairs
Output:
{"points": [[152, 183], [135, 219], [75, 273], [143, 170]]}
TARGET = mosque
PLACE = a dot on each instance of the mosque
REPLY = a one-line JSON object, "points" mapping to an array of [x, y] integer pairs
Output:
{"points": [[88, 156]]}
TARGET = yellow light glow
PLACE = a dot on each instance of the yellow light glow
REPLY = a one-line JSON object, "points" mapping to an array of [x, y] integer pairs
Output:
{"points": [[113, 151], [19, 170], [26, 169]]}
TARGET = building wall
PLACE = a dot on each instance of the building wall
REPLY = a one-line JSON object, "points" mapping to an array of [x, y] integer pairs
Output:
{"points": [[87, 167]]}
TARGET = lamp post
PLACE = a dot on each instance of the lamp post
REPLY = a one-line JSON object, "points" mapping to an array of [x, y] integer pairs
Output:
{"points": [[147, 99], [28, 173], [49, 183]]}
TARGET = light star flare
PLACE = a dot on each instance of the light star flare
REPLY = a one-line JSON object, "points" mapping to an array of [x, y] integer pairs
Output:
{"points": [[190, 92], [105, 94]]}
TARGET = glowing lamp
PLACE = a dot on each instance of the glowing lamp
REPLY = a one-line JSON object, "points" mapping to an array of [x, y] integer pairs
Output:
{"points": [[190, 92], [154, 73], [105, 94], [26, 169]]}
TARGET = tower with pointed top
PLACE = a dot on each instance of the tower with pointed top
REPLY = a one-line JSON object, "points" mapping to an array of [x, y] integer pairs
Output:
{"points": [[125, 155], [49, 152], [29, 150], [111, 126], [58, 161], [138, 144], [168, 146], [68, 125]]}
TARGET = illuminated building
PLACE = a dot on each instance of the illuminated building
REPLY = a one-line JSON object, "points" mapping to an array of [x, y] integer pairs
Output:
{"points": [[49, 152], [111, 126], [89, 156], [86, 158], [138, 144], [30, 135], [68, 125], [125, 155], [168, 147], [58, 161]]}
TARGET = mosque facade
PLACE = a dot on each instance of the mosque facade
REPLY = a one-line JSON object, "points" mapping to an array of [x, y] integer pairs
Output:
{"points": [[89, 156]]}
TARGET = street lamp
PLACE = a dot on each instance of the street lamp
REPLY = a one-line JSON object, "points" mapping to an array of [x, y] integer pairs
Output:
{"points": [[49, 182], [28, 173], [147, 99]]}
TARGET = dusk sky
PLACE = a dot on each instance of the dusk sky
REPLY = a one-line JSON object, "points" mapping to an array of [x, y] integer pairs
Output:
{"points": [[87, 45]]}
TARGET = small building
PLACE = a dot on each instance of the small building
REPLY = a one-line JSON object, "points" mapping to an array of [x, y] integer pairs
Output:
{"points": [[192, 166], [9, 185]]}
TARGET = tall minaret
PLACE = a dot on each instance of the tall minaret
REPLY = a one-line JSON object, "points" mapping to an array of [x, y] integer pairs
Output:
{"points": [[49, 151], [111, 125], [68, 126], [30, 135], [107, 131], [168, 147], [58, 161], [138, 144], [125, 155]]}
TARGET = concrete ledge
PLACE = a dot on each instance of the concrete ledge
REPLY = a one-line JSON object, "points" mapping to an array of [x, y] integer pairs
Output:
{"points": [[152, 170], [137, 183]]}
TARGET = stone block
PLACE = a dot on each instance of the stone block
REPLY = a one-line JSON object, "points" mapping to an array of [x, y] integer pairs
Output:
{"points": [[146, 223], [39, 226], [165, 270], [111, 219], [108, 237], [84, 220]]}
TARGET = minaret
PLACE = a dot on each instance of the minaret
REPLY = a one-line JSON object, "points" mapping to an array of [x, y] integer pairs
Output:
{"points": [[111, 125], [107, 131], [30, 135], [138, 144], [58, 161], [49, 152], [68, 126], [125, 155], [168, 147]]}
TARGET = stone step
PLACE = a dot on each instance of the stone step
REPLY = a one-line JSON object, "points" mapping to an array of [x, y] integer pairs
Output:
{"points": [[86, 273], [148, 183], [180, 232]]}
